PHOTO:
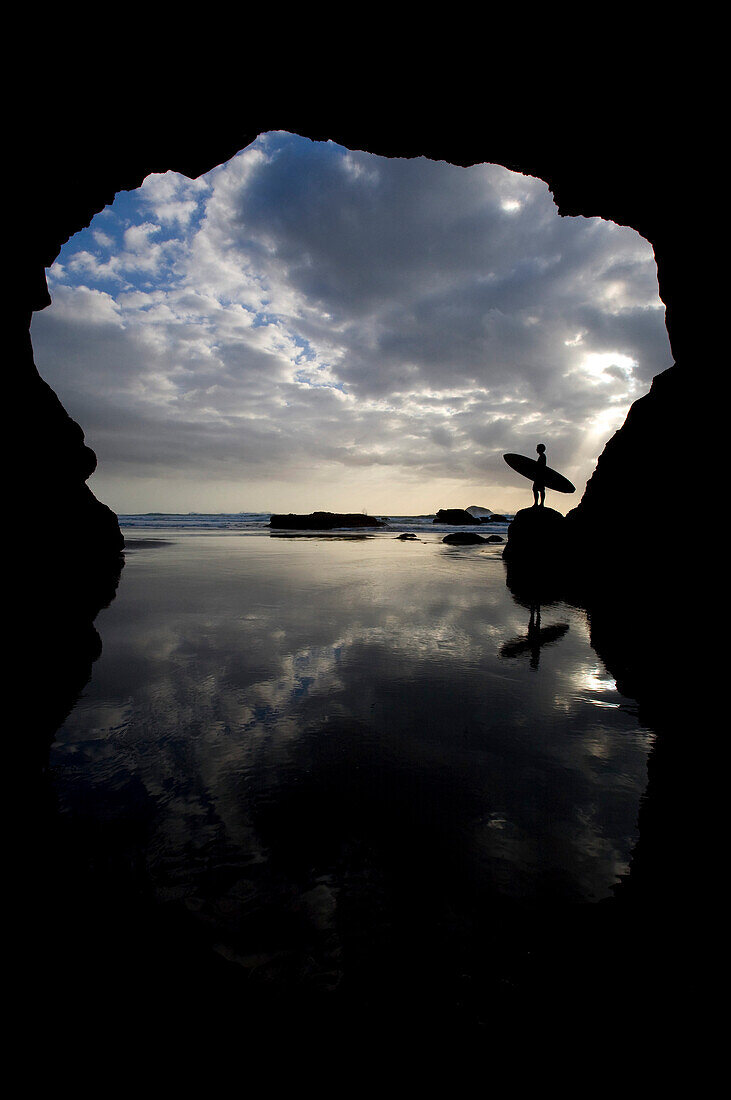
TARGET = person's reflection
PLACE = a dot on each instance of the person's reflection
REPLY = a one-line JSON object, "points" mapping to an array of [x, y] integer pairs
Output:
{"points": [[535, 638]]}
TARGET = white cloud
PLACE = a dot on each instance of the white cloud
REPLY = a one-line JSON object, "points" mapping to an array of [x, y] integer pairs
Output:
{"points": [[324, 318]]}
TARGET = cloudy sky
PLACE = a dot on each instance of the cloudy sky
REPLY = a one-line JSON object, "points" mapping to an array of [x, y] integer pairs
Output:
{"points": [[306, 327]]}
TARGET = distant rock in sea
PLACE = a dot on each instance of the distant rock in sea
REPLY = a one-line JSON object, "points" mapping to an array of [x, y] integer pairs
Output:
{"points": [[478, 512], [463, 538], [455, 517], [496, 517], [322, 521]]}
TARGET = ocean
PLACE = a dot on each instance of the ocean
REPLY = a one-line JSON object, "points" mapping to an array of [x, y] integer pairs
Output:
{"points": [[259, 521]]}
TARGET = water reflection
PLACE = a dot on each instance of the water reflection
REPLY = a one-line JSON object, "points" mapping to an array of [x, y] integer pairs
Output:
{"points": [[536, 637], [319, 752]]}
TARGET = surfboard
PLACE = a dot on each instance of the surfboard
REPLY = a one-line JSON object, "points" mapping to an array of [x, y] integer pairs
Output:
{"points": [[531, 469]]}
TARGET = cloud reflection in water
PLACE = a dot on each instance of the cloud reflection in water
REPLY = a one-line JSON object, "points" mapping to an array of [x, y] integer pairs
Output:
{"points": [[314, 745]]}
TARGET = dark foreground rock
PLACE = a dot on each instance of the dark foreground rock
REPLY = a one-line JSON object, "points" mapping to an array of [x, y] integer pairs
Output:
{"points": [[626, 484], [536, 538], [323, 521], [463, 538], [456, 516]]}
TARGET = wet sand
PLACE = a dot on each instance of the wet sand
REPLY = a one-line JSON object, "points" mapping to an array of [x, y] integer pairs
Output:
{"points": [[340, 772]]}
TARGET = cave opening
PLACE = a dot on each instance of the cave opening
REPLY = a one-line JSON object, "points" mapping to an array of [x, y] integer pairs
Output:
{"points": [[310, 327], [172, 371]]}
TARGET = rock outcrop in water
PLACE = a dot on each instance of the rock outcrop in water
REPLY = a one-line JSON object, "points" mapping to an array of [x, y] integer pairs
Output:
{"points": [[463, 538], [537, 539], [322, 521], [456, 517]]}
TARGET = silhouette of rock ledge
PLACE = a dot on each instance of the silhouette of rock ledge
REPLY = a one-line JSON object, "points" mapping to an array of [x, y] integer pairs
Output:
{"points": [[323, 521], [457, 517], [537, 538]]}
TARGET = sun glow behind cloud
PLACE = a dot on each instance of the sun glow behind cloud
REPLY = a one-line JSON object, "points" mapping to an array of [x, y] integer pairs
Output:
{"points": [[307, 327]]}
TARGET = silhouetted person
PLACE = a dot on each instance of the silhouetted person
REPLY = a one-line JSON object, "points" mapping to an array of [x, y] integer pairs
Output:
{"points": [[539, 489]]}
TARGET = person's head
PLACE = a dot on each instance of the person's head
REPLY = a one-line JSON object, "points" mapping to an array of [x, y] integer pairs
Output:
{"points": [[541, 448]]}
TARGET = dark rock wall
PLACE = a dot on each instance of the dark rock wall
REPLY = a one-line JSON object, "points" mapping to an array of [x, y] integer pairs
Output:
{"points": [[608, 145], [61, 461], [646, 478]]}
